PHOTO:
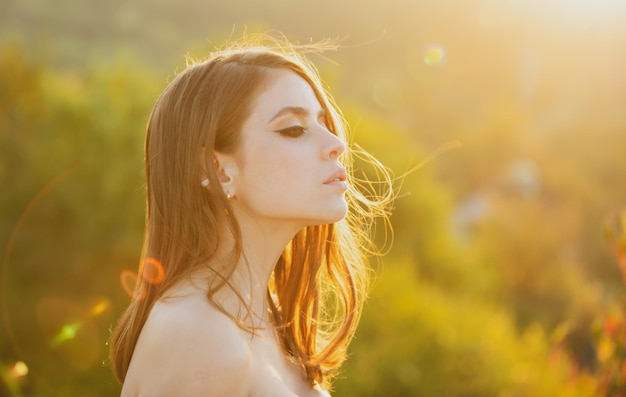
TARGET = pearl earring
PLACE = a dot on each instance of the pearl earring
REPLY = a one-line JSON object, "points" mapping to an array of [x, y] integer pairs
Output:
{"points": [[205, 182]]}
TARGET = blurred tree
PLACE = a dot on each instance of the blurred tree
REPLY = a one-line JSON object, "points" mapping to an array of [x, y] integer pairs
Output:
{"points": [[71, 161]]}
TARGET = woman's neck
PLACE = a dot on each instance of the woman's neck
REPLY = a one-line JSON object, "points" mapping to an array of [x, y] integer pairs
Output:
{"points": [[263, 242]]}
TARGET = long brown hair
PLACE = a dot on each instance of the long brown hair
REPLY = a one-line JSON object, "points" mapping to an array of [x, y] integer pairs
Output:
{"points": [[317, 290]]}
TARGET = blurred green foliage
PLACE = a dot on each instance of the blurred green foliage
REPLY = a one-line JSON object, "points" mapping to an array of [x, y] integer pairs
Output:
{"points": [[499, 281], [71, 160]]}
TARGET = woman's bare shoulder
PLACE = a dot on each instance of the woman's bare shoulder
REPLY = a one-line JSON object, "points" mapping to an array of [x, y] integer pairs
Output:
{"points": [[189, 348]]}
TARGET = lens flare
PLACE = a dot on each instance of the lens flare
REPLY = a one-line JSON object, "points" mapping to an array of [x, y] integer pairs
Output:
{"points": [[434, 55], [4, 309], [100, 307], [70, 330], [67, 332], [130, 284], [152, 271], [128, 279], [12, 378], [18, 370]]}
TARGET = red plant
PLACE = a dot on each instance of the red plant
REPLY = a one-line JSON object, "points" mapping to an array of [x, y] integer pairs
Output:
{"points": [[610, 337]]}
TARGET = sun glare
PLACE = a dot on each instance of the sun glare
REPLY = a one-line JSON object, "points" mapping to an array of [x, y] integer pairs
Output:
{"points": [[586, 8]]}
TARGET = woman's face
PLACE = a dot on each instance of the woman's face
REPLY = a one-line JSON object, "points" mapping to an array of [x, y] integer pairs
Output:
{"points": [[287, 167]]}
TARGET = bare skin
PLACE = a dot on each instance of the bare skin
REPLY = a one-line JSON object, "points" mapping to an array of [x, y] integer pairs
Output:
{"points": [[286, 175], [189, 348]]}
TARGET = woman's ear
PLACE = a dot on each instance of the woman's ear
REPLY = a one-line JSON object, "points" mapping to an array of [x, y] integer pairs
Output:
{"points": [[227, 170]]}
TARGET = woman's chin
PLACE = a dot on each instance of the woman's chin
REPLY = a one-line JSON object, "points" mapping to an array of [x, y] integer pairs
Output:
{"points": [[336, 215]]}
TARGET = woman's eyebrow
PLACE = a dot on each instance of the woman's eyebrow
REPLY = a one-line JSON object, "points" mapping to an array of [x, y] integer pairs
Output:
{"points": [[296, 110]]}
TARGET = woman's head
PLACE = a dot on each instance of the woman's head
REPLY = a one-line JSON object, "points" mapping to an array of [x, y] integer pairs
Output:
{"points": [[206, 117], [200, 115]]}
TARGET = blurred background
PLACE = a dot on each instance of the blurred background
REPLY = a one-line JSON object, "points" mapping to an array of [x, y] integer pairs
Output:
{"points": [[504, 276]]}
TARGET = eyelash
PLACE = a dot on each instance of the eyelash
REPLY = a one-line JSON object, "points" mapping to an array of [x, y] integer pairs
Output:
{"points": [[292, 132]]}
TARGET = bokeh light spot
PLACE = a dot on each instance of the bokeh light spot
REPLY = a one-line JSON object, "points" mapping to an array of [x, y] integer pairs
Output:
{"points": [[18, 370], [100, 307], [128, 279], [12, 378], [67, 332], [152, 271], [434, 55]]}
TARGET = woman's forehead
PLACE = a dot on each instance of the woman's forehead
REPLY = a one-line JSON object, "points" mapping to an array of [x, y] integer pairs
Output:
{"points": [[286, 92]]}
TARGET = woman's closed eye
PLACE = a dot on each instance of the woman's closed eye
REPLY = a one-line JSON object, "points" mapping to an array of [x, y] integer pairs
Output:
{"points": [[292, 132]]}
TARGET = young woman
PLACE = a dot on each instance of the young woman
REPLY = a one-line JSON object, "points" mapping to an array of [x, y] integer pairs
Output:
{"points": [[253, 275]]}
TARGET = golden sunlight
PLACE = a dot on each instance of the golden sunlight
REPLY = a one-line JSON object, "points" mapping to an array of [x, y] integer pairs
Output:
{"points": [[587, 8]]}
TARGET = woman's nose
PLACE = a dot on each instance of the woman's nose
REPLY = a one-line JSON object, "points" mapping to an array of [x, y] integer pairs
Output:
{"points": [[334, 147]]}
